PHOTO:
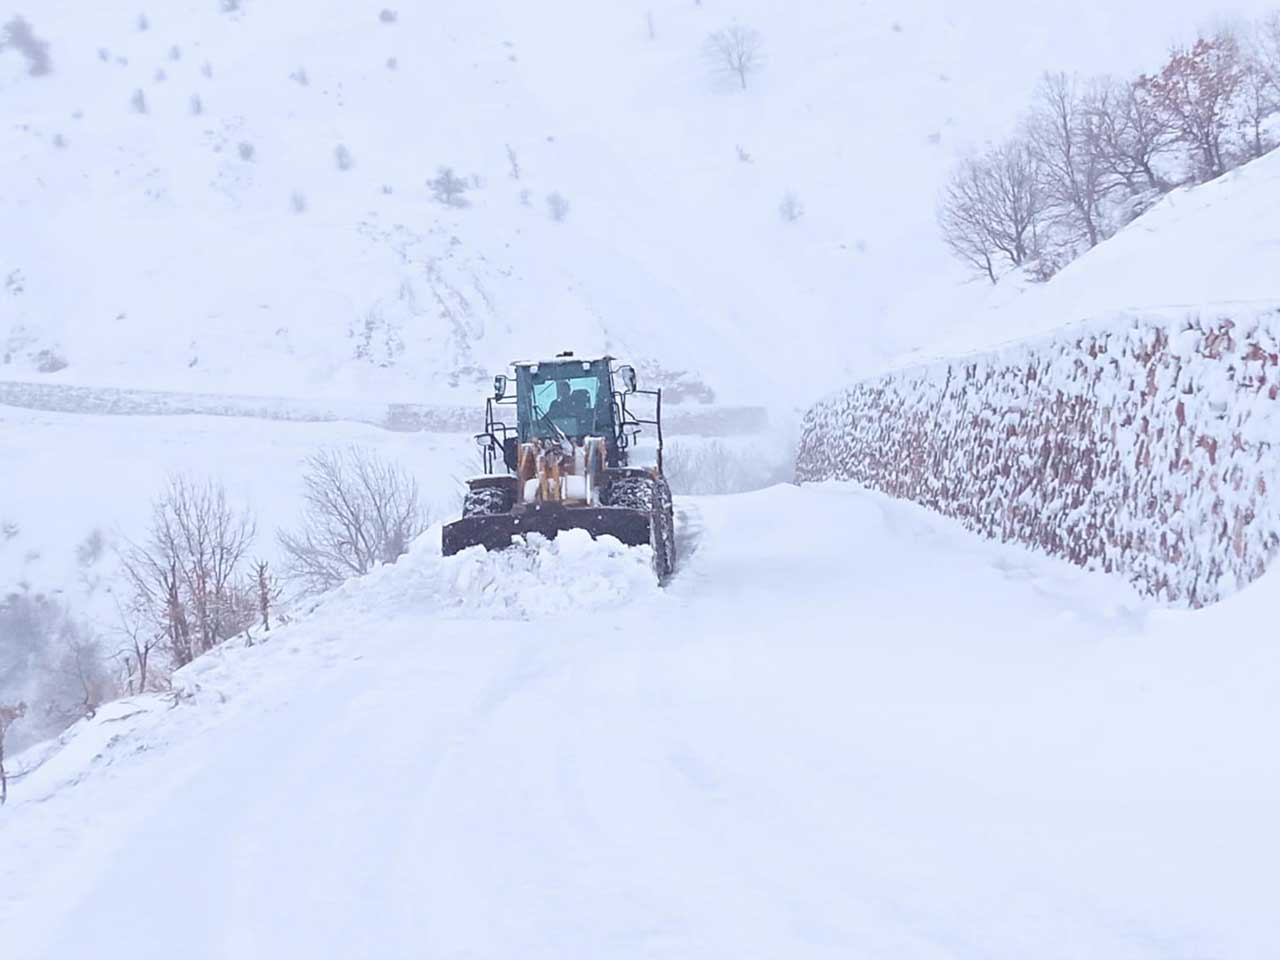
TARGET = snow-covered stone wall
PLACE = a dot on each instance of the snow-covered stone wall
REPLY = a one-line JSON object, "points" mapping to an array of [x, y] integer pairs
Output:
{"points": [[1146, 446]]}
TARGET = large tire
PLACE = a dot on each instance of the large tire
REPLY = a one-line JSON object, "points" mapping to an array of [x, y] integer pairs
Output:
{"points": [[653, 497], [486, 502], [664, 531]]}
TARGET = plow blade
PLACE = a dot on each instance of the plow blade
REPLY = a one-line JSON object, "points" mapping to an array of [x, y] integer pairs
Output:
{"points": [[494, 531]]}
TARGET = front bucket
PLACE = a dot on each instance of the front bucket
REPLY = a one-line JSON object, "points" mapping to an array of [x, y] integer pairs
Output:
{"points": [[494, 531]]}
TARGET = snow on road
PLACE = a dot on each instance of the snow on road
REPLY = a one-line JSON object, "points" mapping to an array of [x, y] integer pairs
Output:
{"points": [[847, 729]]}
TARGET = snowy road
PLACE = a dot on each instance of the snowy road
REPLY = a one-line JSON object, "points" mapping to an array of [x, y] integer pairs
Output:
{"points": [[847, 730]]}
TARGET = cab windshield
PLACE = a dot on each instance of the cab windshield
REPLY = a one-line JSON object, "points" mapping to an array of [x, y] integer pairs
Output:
{"points": [[570, 398]]}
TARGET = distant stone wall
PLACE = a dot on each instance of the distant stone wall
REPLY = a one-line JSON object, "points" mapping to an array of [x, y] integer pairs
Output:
{"points": [[709, 420], [1148, 447]]}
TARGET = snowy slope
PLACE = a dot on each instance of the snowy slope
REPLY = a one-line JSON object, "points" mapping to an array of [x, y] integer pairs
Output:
{"points": [[146, 249], [1208, 251], [966, 752]]}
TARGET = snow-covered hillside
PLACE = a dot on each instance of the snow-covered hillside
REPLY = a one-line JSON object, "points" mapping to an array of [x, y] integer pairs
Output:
{"points": [[854, 730], [1206, 252], [236, 201]]}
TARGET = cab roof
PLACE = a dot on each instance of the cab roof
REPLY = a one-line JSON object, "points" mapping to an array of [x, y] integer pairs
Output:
{"points": [[555, 360]]}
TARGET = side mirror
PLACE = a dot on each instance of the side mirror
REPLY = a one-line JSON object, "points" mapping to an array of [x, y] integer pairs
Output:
{"points": [[628, 376], [499, 387]]}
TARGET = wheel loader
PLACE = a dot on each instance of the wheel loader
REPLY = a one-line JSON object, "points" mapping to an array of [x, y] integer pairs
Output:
{"points": [[566, 461]]}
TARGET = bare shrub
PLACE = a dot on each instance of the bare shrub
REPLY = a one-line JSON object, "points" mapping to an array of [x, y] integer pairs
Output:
{"points": [[790, 209], [513, 162], [714, 467], [196, 105], [17, 33], [188, 576], [736, 52], [992, 211], [139, 102], [359, 511], [342, 157], [449, 189], [50, 361], [298, 202], [246, 150], [557, 207], [388, 16], [143, 23], [300, 77]]}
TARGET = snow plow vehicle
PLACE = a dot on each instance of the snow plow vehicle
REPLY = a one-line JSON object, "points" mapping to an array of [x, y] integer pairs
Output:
{"points": [[567, 462]]}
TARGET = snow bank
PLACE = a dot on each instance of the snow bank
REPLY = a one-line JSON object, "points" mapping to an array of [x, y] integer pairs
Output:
{"points": [[1145, 445]]}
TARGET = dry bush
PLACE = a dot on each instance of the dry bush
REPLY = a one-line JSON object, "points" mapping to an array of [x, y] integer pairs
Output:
{"points": [[359, 511], [709, 467]]}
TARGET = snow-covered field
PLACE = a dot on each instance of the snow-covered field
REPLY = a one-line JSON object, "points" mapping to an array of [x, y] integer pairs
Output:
{"points": [[847, 729]]}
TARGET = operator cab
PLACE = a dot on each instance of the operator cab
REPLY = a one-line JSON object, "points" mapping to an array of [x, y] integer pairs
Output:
{"points": [[565, 400]]}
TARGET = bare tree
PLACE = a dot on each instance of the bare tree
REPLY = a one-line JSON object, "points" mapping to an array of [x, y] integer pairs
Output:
{"points": [[1068, 147], [187, 576], [1266, 44], [142, 638], [1197, 92], [9, 715], [1259, 98], [1134, 133], [513, 162], [448, 188], [735, 51], [268, 592], [992, 210], [359, 511], [83, 680]]}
